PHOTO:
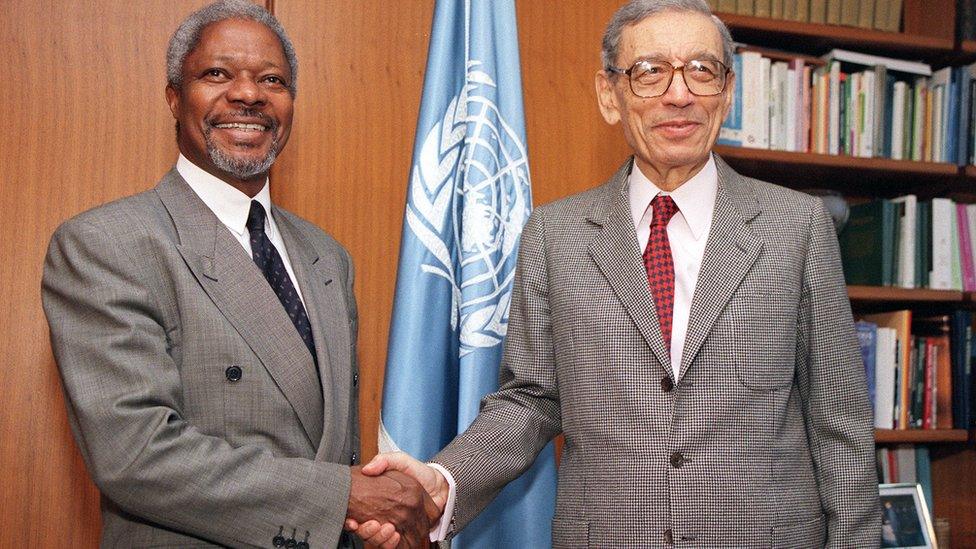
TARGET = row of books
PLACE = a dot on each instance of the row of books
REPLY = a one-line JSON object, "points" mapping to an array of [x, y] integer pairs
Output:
{"points": [[919, 370], [872, 14], [906, 463], [853, 104], [909, 243]]}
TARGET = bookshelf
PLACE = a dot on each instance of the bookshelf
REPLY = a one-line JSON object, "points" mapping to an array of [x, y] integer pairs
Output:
{"points": [[887, 294], [783, 34], [865, 176], [928, 35], [920, 436]]}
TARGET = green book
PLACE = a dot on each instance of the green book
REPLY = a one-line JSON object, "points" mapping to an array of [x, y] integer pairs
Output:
{"points": [[744, 7], [867, 244], [776, 9], [726, 6], [924, 243]]}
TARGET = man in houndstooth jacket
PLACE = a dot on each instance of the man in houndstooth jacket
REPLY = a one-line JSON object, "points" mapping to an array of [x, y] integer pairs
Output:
{"points": [[747, 423]]}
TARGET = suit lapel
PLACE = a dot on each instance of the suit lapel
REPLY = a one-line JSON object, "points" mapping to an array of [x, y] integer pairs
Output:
{"points": [[321, 284], [731, 250], [244, 297], [616, 252]]}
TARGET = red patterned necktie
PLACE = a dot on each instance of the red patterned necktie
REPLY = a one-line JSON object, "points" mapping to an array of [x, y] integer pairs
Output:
{"points": [[660, 265]]}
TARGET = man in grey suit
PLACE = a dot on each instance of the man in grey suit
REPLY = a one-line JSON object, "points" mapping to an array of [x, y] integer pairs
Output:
{"points": [[206, 339], [687, 330]]}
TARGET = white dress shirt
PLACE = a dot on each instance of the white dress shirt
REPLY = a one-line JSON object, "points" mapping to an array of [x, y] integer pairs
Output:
{"points": [[231, 207], [687, 232]]}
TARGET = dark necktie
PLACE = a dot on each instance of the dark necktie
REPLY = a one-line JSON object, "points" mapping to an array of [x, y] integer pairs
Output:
{"points": [[660, 264], [268, 259]]}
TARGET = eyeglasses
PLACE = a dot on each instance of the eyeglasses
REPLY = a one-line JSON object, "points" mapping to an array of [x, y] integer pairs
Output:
{"points": [[653, 78]]}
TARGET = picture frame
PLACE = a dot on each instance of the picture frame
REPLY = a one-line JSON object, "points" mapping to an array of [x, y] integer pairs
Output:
{"points": [[905, 519]]}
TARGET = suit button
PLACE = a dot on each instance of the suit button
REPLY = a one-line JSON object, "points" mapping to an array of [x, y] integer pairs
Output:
{"points": [[354, 459], [667, 384], [677, 460], [234, 373], [355, 379], [668, 537]]}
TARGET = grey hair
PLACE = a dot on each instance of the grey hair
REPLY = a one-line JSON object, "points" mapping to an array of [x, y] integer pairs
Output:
{"points": [[636, 11], [187, 36]]}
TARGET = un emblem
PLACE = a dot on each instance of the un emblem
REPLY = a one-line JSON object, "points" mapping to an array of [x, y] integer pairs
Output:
{"points": [[470, 198]]}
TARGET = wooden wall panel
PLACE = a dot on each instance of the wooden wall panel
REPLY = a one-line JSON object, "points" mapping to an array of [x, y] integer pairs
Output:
{"points": [[571, 147], [86, 122]]}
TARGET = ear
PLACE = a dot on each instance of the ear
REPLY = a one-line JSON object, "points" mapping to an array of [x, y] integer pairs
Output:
{"points": [[606, 96], [173, 100], [729, 94]]}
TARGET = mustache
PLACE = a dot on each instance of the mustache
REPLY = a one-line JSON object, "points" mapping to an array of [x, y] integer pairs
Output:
{"points": [[271, 123]]}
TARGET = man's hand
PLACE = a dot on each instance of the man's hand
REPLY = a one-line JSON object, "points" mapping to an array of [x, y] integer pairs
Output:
{"points": [[428, 477], [394, 499], [385, 535]]}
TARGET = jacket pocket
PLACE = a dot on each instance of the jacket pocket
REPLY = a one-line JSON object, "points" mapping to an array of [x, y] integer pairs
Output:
{"points": [[810, 534], [764, 342], [570, 533]]}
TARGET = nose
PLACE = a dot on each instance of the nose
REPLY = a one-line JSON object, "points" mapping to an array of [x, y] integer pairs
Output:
{"points": [[678, 93], [244, 89]]}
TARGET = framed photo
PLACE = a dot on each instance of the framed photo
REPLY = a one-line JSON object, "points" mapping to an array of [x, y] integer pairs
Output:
{"points": [[905, 521]]}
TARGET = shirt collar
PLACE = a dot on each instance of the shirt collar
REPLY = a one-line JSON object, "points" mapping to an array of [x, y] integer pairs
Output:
{"points": [[695, 198], [230, 205]]}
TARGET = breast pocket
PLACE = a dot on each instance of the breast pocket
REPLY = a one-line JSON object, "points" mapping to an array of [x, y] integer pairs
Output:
{"points": [[764, 342]]}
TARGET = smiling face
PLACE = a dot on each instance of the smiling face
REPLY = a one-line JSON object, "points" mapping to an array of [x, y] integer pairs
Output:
{"points": [[233, 108], [673, 134]]}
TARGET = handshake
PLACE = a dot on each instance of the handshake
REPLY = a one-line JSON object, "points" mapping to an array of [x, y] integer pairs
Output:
{"points": [[394, 500]]}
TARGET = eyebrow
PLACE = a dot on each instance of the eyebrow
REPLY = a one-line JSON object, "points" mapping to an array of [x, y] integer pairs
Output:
{"points": [[230, 58], [701, 55]]}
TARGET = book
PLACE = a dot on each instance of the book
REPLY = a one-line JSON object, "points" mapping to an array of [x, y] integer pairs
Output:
{"points": [[727, 6], [885, 366], [833, 12], [867, 333], [901, 322], [818, 11], [894, 15], [965, 249], [908, 228], [881, 15], [755, 100], [865, 14], [849, 11], [869, 60], [966, 19], [905, 456], [943, 212], [763, 8], [732, 132], [744, 7], [867, 243], [923, 472], [961, 347]]}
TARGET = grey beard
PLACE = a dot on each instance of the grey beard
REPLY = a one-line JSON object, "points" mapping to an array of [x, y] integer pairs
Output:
{"points": [[241, 168]]}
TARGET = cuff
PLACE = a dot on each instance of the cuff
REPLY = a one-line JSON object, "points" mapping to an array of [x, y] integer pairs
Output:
{"points": [[444, 526]]}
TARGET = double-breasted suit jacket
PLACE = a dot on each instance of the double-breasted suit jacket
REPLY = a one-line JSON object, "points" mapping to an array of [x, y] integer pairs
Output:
{"points": [[765, 438], [198, 409]]}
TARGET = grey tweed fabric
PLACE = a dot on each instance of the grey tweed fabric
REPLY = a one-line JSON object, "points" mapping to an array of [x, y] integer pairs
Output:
{"points": [[194, 401], [764, 440]]}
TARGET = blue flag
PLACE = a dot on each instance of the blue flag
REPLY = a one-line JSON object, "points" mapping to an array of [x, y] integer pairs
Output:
{"points": [[468, 198]]}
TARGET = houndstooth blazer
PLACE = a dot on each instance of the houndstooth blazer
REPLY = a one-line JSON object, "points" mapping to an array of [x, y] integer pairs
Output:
{"points": [[764, 440], [194, 401]]}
